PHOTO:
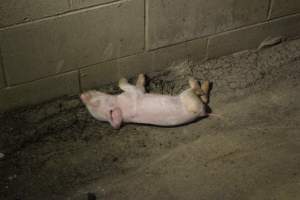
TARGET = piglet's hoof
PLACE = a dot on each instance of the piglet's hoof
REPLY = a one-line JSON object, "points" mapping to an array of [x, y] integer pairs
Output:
{"points": [[123, 81]]}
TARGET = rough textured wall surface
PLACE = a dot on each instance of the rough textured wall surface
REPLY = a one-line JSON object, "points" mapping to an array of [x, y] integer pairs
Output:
{"points": [[52, 48]]}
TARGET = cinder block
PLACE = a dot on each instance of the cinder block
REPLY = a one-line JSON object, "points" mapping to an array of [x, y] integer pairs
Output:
{"points": [[237, 40], [107, 72], [159, 59], [76, 4], [197, 49], [288, 27], [96, 75], [39, 91], [251, 37], [71, 41], [284, 7], [18, 11], [173, 21], [194, 50]]}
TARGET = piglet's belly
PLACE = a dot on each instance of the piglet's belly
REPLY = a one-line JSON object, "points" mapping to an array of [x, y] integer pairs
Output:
{"points": [[160, 110]]}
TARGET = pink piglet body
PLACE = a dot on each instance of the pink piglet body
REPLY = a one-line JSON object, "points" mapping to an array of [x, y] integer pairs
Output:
{"points": [[136, 106], [156, 109]]}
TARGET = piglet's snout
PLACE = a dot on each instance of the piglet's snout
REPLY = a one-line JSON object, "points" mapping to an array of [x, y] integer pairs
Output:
{"points": [[85, 97]]}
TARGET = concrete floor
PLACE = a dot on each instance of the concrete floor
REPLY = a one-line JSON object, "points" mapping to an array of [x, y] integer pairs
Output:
{"points": [[251, 150]]}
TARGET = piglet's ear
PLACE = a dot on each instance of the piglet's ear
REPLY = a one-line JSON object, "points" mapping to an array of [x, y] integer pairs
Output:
{"points": [[115, 118]]}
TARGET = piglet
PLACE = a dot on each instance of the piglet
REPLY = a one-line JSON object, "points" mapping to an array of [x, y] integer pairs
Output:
{"points": [[134, 105]]}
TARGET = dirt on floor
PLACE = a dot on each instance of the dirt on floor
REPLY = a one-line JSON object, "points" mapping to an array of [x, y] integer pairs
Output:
{"points": [[250, 148]]}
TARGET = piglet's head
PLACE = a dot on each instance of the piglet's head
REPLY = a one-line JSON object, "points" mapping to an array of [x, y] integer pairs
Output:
{"points": [[103, 107]]}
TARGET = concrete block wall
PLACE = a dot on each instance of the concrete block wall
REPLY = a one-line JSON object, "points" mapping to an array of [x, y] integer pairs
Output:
{"points": [[50, 48]]}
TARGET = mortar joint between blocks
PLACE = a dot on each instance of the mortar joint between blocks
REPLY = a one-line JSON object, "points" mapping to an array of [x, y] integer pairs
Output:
{"points": [[3, 69]]}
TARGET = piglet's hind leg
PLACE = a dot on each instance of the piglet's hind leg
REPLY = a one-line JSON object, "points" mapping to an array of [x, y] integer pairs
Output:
{"points": [[202, 91], [205, 89], [140, 83], [127, 87], [191, 101]]}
